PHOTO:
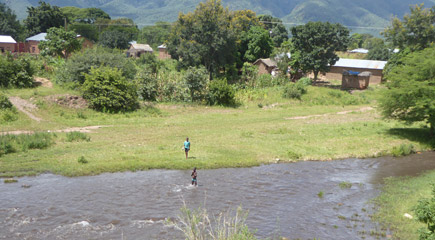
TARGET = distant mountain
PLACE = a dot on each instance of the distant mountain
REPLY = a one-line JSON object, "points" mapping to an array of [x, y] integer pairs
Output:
{"points": [[360, 15]]}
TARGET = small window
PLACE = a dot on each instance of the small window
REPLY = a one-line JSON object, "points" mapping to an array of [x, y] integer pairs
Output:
{"points": [[2, 49]]}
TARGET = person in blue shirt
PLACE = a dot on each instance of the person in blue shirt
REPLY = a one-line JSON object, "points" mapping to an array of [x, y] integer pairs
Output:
{"points": [[194, 176], [187, 147]]}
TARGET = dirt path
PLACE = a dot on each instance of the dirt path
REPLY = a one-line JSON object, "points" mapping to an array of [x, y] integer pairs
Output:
{"points": [[25, 107], [87, 129], [364, 109], [44, 82]]}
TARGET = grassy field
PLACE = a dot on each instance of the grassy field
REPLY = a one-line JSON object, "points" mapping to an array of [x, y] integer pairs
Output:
{"points": [[326, 124], [400, 196]]}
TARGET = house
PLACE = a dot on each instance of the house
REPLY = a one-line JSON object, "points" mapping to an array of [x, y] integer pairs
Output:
{"points": [[32, 43], [7, 44], [163, 52], [359, 50], [357, 65], [138, 49], [265, 65]]}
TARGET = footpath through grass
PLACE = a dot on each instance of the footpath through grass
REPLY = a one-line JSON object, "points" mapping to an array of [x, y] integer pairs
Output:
{"points": [[261, 130]]}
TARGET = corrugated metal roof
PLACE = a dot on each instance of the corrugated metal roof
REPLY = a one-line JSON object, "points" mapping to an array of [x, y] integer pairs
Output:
{"points": [[358, 63], [6, 39], [145, 47], [38, 37], [162, 46], [359, 50]]}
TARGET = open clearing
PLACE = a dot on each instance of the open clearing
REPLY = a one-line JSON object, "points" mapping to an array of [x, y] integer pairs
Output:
{"points": [[323, 126]]}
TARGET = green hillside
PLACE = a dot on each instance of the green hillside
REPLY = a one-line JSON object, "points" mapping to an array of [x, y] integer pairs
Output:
{"points": [[363, 16]]}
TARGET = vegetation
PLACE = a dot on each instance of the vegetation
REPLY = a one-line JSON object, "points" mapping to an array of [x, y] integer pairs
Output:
{"points": [[42, 18], [425, 211], [314, 46], [278, 32], [77, 136], [115, 39], [60, 43], [15, 72], [196, 224], [10, 25], [220, 93], [107, 90], [402, 195], [416, 31], [403, 150], [411, 93], [24, 142]]}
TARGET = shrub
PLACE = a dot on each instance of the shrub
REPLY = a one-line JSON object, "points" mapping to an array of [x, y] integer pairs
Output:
{"points": [[425, 211], [73, 72], [8, 115], [403, 150], [108, 90], [4, 102], [293, 155], [82, 159], [196, 80], [15, 72], [77, 136], [294, 91], [305, 81], [249, 74], [220, 93], [147, 86], [6, 145], [263, 80]]}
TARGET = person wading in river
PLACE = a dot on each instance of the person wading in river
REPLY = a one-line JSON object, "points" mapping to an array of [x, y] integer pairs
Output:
{"points": [[187, 147], [194, 175]]}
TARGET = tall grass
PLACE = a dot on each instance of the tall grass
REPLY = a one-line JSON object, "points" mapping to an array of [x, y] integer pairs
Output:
{"points": [[77, 136], [24, 142], [197, 225]]}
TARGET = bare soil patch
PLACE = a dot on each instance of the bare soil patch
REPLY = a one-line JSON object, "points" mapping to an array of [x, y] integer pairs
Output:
{"points": [[87, 129], [25, 106], [68, 100], [44, 82], [364, 109]]}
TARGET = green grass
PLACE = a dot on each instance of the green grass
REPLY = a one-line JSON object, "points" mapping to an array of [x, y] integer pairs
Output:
{"points": [[77, 137], [152, 137], [400, 196]]}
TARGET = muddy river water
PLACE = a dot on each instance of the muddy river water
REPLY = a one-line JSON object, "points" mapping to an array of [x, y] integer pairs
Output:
{"points": [[282, 200]]}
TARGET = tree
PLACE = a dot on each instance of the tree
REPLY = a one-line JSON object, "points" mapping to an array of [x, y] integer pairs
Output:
{"points": [[276, 29], [60, 43], [155, 35], [411, 89], [114, 39], [84, 15], [416, 31], [204, 37], [380, 52], [43, 17], [357, 40], [257, 44], [315, 44], [9, 25], [88, 31]]}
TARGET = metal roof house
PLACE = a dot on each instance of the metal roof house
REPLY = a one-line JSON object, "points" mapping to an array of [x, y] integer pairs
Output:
{"points": [[7, 44], [163, 52], [33, 41], [357, 65], [359, 50]]}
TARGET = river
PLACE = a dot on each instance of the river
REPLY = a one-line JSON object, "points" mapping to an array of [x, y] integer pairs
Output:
{"points": [[282, 200]]}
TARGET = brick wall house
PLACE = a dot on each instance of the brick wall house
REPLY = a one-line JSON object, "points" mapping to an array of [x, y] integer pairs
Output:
{"points": [[357, 65], [7, 44], [265, 65]]}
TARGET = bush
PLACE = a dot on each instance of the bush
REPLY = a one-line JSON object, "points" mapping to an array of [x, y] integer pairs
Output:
{"points": [[8, 115], [82, 160], [72, 73], [425, 211], [15, 72], [24, 142], [220, 93], [196, 80], [6, 145], [4, 102], [305, 81], [294, 91], [77, 136], [107, 90], [403, 150], [147, 86]]}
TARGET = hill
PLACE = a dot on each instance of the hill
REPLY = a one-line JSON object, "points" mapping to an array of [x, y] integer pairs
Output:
{"points": [[362, 16]]}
